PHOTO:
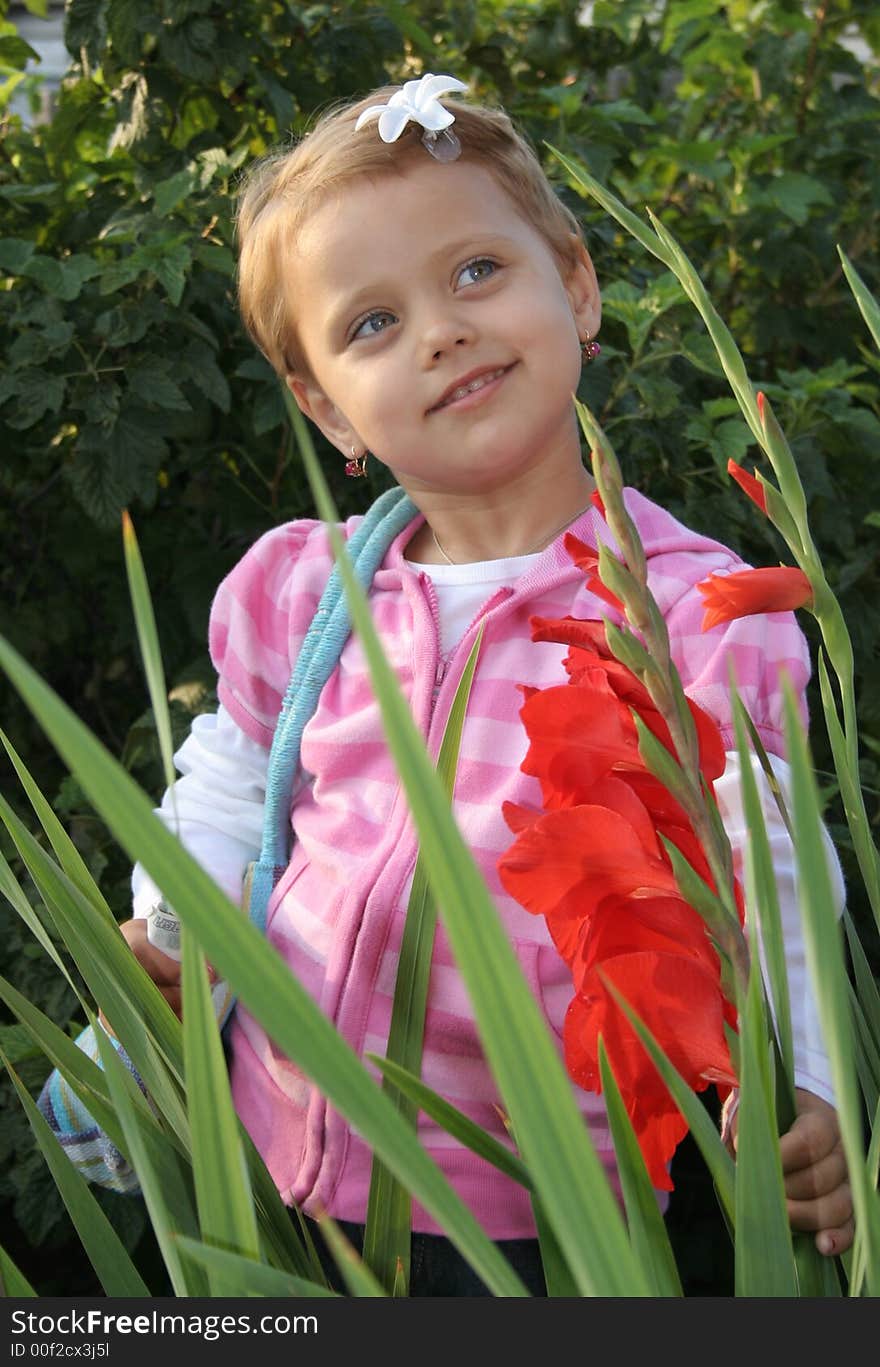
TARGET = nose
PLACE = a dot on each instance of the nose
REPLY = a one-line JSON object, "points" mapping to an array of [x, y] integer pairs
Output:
{"points": [[443, 334]]}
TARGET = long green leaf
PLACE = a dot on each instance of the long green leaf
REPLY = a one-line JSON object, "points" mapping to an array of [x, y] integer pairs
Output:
{"points": [[866, 984], [850, 792], [389, 1207], [762, 898], [14, 894], [763, 1254], [537, 1093], [250, 1278], [357, 1276], [223, 1194], [83, 1075], [868, 305], [647, 1229], [858, 1264], [867, 1054], [255, 971], [162, 1178], [67, 854], [13, 1282], [148, 640], [106, 1252], [825, 960], [455, 1122], [276, 1233], [557, 1273], [141, 1018]]}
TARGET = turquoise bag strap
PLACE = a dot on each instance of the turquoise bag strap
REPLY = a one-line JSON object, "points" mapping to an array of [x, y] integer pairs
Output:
{"points": [[318, 657]]}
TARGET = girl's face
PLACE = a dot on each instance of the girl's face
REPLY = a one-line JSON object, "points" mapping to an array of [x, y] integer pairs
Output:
{"points": [[438, 331]]}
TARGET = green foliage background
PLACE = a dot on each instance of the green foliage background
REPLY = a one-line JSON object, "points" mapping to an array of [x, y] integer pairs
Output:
{"points": [[750, 128]]}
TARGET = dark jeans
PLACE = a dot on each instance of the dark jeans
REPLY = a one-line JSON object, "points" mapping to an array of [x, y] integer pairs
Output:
{"points": [[436, 1266]]}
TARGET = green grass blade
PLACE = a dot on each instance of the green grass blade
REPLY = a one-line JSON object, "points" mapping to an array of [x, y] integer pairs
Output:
{"points": [[148, 640], [865, 983], [868, 306], [867, 1054], [255, 971], [850, 792], [162, 1178], [141, 1018], [455, 1122], [223, 1194], [764, 1258], [647, 1229], [537, 1093], [859, 1252], [557, 1273], [114, 1268], [249, 1278], [769, 773], [13, 1282], [279, 1243], [625, 217], [827, 967], [67, 854], [762, 899], [357, 1276], [79, 1071], [389, 1207], [13, 892]]}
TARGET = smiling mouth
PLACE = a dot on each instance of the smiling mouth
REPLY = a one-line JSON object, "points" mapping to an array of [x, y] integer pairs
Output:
{"points": [[473, 386]]}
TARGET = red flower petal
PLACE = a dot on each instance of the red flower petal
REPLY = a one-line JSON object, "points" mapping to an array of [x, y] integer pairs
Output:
{"points": [[679, 1002], [748, 484], [587, 560], [563, 865], [727, 597]]}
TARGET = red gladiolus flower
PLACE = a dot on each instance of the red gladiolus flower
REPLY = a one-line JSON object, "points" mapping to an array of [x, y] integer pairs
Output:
{"points": [[749, 485], [747, 592], [592, 863], [596, 500]]}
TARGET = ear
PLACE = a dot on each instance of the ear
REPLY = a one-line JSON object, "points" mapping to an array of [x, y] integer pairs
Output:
{"points": [[312, 401], [582, 289]]}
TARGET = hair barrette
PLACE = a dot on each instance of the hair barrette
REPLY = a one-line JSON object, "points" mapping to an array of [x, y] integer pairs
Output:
{"points": [[419, 101]]}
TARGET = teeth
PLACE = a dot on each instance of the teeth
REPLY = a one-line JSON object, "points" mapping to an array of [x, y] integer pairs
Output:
{"points": [[478, 383]]}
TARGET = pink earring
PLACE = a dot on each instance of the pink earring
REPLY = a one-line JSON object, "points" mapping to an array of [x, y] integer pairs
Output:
{"points": [[589, 349], [356, 468]]}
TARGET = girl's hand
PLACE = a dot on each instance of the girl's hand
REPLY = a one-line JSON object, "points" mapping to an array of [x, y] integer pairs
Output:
{"points": [[816, 1178], [165, 972], [815, 1172]]}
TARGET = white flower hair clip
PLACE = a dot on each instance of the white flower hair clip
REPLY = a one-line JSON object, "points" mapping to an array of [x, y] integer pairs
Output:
{"points": [[419, 101]]}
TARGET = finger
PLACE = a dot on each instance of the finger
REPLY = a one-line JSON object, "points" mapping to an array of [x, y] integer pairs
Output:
{"points": [[830, 1212], [832, 1242], [811, 1138], [819, 1179]]}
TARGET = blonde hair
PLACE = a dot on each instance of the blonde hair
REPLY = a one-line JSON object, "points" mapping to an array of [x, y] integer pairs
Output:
{"points": [[282, 188]]}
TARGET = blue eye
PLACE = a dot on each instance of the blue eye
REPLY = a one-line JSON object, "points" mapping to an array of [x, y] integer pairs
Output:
{"points": [[476, 271], [373, 324]]}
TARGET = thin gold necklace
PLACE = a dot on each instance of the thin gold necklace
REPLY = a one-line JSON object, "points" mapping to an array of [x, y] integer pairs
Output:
{"points": [[545, 541]]}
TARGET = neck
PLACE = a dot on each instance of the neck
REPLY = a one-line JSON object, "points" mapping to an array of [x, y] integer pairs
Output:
{"points": [[465, 531]]}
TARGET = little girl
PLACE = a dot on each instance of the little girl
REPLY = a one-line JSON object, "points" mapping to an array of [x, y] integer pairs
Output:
{"points": [[430, 302]]}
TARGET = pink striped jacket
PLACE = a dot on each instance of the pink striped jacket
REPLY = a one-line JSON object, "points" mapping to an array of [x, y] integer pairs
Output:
{"points": [[337, 914]]}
